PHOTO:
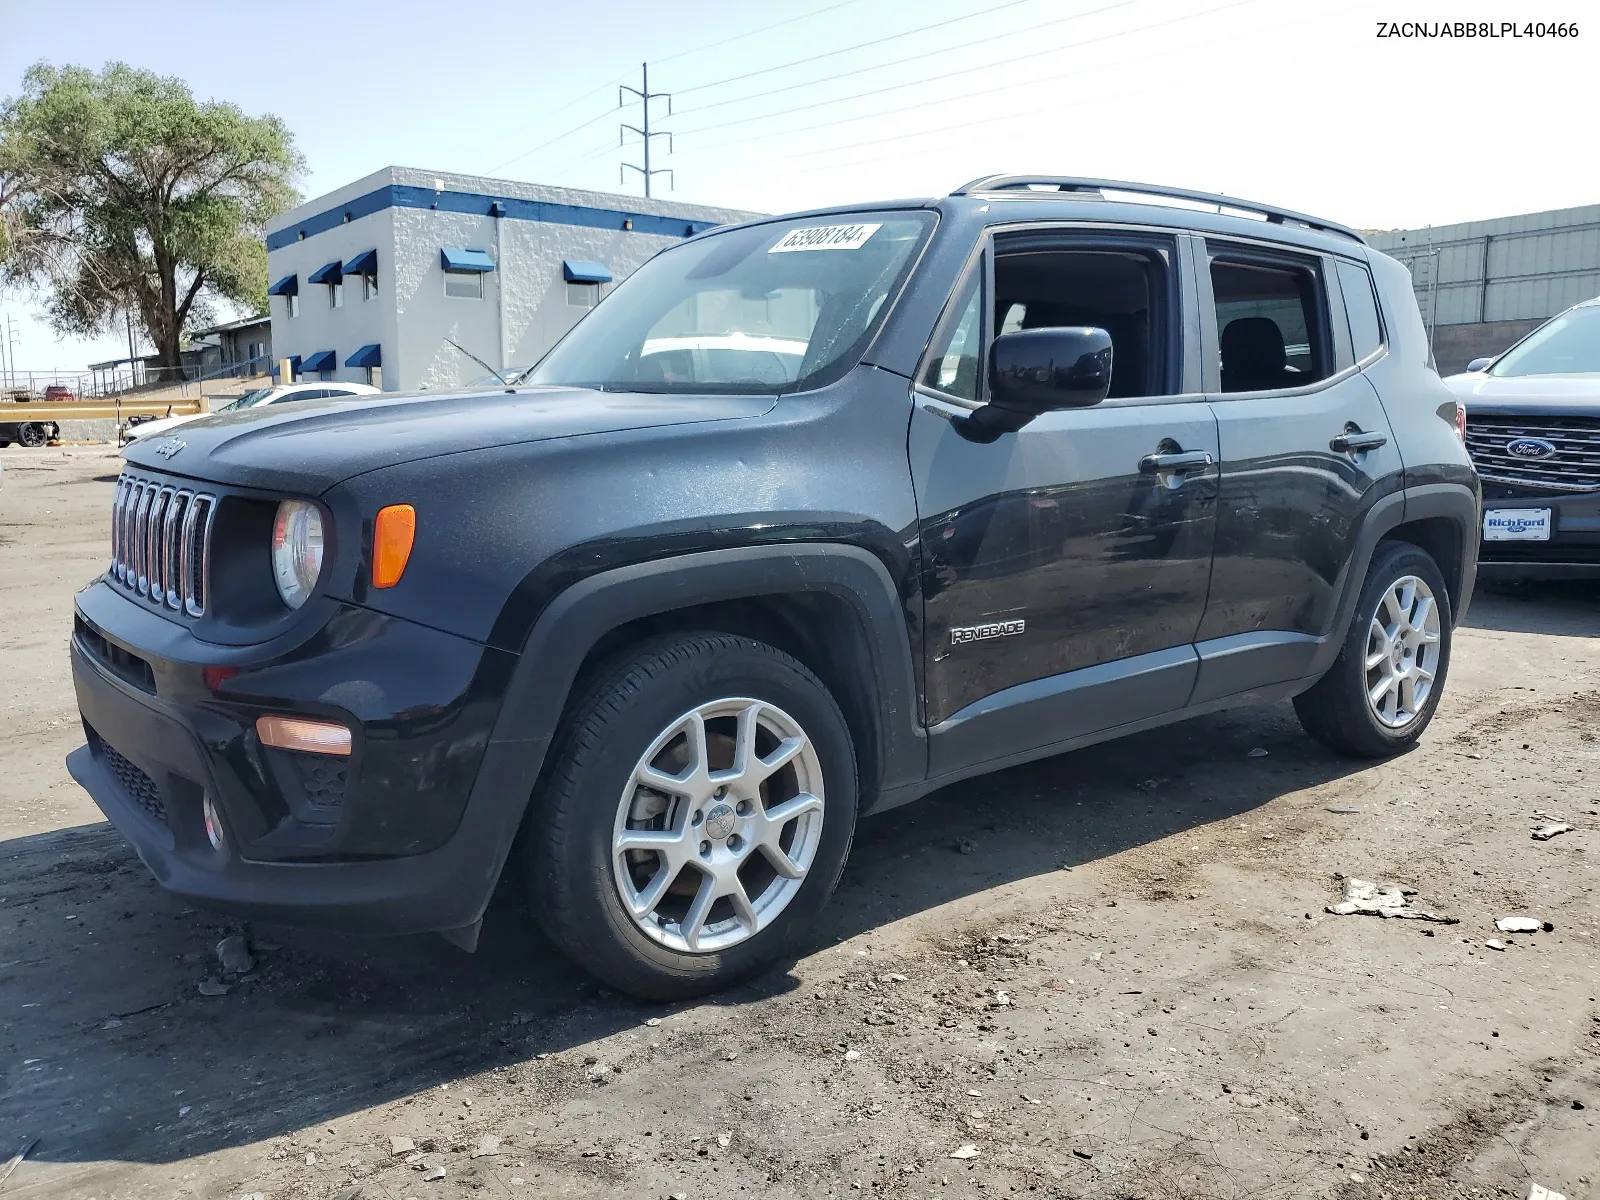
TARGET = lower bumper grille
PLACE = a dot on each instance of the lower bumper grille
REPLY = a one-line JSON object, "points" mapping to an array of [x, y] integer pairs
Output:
{"points": [[141, 789], [1540, 552], [321, 777]]}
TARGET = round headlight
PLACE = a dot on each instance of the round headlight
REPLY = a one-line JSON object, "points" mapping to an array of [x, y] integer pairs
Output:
{"points": [[296, 550]]}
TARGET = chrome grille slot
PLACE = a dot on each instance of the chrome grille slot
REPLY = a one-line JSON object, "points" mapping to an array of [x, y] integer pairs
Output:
{"points": [[1574, 467], [160, 543]]}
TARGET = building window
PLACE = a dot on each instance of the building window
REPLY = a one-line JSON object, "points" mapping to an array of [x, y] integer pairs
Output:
{"points": [[294, 304], [375, 377], [583, 295], [336, 294], [464, 285], [369, 286]]}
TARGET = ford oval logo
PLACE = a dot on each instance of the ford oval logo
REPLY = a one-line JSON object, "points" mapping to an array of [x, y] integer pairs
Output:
{"points": [[1530, 447]]}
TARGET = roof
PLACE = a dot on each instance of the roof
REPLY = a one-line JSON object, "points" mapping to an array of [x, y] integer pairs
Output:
{"points": [[265, 319], [413, 188]]}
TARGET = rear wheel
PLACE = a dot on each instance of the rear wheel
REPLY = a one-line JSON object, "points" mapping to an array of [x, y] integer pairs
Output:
{"points": [[698, 816], [1382, 690]]}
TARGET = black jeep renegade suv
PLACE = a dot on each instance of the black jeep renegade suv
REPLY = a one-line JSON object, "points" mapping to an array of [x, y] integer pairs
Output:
{"points": [[811, 516]]}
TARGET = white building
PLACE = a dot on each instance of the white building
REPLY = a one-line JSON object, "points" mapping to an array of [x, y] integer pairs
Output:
{"points": [[369, 281]]}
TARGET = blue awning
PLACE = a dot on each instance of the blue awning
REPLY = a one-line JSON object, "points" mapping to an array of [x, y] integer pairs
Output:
{"points": [[332, 273], [367, 356], [365, 263], [294, 363], [585, 272], [322, 360], [466, 260], [289, 285]]}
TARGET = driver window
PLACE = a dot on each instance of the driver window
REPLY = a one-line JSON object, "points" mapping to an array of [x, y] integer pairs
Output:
{"points": [[1121, 289], [954, 370]]}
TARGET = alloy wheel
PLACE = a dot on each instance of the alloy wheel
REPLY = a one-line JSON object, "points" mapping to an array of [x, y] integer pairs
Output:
{"points": [[1402, 652], [718, 825]]}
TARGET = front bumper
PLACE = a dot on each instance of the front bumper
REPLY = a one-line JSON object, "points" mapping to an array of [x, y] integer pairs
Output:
{"points": [[1573, 551], [411, 840]]}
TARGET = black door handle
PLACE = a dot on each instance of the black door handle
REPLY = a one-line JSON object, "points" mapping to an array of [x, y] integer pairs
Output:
{"points": [[1180, 463], [1355, 442]]}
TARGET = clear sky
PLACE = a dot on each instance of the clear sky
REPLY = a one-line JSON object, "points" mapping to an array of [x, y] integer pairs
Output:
{"points": [[1296, 102]]}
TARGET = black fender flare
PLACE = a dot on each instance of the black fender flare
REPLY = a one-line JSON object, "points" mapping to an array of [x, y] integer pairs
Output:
{"points": [[1454, 502], [577, 618]]}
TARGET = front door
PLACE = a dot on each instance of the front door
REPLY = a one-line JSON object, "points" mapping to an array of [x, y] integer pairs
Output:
{"points": [[1065, 565], [1306, 451]]}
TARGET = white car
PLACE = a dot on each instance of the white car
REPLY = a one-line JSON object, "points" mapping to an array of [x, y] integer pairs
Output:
{"points": [[257, 398]]}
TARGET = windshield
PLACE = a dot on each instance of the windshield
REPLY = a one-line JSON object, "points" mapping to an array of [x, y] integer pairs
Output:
{"points": [[767, 309], [1564, 345], [255, 396]]}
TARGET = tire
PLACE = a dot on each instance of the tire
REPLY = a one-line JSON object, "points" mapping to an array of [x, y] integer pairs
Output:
{"points": [[33, 435], [1338, 710], [638, 716]]}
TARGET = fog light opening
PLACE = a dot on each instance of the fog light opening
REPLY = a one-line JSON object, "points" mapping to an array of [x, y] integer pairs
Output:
{"points": [[214, 834], [308, 737]]}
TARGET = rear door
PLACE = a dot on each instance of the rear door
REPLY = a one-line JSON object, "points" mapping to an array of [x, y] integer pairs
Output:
{"points": [[1306, 450], [1065, 565]]}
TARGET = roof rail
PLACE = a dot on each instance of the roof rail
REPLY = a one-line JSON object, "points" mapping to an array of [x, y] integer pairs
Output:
{"points": [[1068, 183]]}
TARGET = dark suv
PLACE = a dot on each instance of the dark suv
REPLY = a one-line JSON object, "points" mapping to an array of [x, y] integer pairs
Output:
{"points": [[810, 517], [1533, 429]]}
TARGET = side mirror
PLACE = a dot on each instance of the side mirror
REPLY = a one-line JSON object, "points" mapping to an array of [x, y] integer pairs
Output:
{"points": [[1480, 364], [1034, 371]]}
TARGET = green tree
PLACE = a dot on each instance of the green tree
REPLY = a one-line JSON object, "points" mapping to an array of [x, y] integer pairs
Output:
{"points": [[119, 192]]}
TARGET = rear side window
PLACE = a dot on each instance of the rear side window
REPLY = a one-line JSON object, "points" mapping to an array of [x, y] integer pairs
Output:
{"points": [[1361, 306], [1269, 323]]}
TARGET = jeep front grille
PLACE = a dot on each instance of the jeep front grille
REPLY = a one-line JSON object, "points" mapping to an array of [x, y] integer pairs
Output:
{"points": [[161, 542], [1574, 467]]}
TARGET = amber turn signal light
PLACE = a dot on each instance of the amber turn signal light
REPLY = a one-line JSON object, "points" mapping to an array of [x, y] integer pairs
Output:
{"points": [[392, 535], [308, 737]]}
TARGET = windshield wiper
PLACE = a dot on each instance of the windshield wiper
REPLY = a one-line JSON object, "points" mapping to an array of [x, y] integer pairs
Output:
{"points": [[478, 360]]}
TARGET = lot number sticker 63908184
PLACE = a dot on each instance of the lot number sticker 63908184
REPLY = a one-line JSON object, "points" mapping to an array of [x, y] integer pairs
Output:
{"points": [[826, 237]]}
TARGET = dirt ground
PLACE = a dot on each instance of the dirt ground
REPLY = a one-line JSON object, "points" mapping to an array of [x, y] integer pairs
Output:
{"points": [[1108, 974]]}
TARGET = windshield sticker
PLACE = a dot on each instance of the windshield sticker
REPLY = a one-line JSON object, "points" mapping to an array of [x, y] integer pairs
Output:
{"points": [[826, 237]]}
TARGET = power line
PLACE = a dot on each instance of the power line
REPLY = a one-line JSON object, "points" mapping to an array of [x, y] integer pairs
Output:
{"points": [[897, 86], [752, 33], [561, 137], [1077, 102], [893, 37], [670, 58], [965, 95]]}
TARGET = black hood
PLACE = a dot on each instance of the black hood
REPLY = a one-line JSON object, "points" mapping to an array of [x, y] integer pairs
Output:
{"points": [[310, 445], [1528, 395]]}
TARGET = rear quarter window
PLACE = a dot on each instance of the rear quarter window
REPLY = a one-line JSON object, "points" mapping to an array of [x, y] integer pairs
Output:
{"points": [[1361, 307]]}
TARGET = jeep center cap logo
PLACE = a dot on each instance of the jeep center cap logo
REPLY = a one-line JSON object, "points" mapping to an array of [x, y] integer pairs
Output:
{"points": [[170, 446], [1530, 447]]}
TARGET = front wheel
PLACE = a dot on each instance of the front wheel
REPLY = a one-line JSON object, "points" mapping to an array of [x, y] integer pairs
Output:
{"points": [[1382, 690], [33, 436], [697, 818]]}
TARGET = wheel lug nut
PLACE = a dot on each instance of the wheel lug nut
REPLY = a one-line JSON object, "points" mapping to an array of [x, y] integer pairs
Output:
{"points": [[699, 816], [735, 841], [705, 847], [744, 808]]}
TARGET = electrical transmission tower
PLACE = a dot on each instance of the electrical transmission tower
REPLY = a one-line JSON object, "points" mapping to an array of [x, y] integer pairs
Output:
{"points": [[646, 135]]}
